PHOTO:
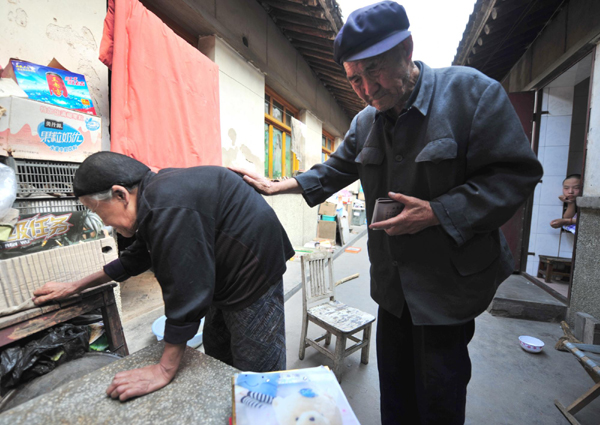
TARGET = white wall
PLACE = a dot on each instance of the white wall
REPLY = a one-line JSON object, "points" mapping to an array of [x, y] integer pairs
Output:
{"points": [[553, 153], [68, 30], [314, 139], [241, 99]]}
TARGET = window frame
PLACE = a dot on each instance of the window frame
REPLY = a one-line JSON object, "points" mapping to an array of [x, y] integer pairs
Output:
{"points": [[327, 150], [285, 129]]}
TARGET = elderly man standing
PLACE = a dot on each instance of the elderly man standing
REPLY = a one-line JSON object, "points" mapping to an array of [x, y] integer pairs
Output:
{"points": [[448, 145], [217, 249]]}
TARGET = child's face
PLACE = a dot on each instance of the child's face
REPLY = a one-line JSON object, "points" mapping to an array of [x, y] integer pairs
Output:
{"points": [[572, 188]]}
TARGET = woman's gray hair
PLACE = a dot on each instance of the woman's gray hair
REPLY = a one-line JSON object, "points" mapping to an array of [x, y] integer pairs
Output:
{"points": [[106, 195], [101, 196]]}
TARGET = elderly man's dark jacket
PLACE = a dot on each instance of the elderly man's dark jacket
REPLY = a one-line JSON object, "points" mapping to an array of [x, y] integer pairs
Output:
{"points": [[461, 147]]}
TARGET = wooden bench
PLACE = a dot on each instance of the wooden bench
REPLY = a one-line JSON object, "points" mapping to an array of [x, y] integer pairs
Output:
{"points": [[21, 325], [554, 267]]}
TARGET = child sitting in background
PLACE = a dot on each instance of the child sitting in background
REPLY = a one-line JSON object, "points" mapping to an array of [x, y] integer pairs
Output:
{"points": [[571, 190]]}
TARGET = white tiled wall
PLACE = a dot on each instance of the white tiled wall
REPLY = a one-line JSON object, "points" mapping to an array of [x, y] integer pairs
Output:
{"points": [[553, 153]]}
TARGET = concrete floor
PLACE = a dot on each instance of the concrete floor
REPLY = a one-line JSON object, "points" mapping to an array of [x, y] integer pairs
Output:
{"points": [[509, 386]]}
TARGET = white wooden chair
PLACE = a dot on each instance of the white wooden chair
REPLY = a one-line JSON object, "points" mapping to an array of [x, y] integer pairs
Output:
{"points": [[320, 307]]}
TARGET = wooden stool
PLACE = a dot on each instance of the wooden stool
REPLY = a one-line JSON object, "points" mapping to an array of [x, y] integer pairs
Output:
{"points": [[550, 267]]}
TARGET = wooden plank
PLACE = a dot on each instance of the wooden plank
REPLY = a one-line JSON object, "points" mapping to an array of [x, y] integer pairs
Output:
{"points": [[280, 16], [325, 56], [329, 35], [312, 3], [7, 321], [355, 101], [585, 399], [566, 413], [319, 348], [312, 46], [47, 320], [327, 66], [314, 12], [328, 15], [309, 38], [327, 77], [337, 88], [337, 84], [112, 324], [333, 75]]}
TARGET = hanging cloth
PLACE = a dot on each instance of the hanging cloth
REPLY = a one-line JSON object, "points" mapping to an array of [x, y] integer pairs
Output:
{"points": [[165, 93]]}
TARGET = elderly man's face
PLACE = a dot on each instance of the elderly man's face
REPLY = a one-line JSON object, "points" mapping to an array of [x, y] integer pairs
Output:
{"points": [[118, 212], [382, 81]]}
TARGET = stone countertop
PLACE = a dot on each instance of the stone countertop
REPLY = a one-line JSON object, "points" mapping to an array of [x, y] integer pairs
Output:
{"points": [[200, 393]]}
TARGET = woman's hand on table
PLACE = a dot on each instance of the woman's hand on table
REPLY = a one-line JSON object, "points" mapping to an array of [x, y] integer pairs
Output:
{"points": [[138, 382], [52, 291]]}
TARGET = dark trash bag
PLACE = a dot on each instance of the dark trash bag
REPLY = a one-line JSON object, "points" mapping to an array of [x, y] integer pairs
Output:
{"points": [[22, 364]]}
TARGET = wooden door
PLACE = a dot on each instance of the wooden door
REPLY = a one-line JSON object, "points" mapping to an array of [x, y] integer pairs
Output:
{"points": [[523, 103]]}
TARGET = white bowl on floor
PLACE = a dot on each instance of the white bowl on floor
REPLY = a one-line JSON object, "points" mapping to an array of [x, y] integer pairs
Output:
{"points": [[158, 329], [531, 344]]}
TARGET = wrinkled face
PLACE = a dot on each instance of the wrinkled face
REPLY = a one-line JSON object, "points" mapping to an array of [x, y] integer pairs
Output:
{"points": [[118, 212], [572, 188], [381, 81]]}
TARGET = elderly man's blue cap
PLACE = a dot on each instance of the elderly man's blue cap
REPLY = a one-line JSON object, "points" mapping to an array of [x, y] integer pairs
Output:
{"points": [[370, 31]]}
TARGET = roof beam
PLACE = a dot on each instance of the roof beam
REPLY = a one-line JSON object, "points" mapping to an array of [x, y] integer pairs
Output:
{"points": [[305, 2], [309, 38], [326, 57], [328, 35], [480, 20], [294, 8], [311, 46], [327, 66], [279, 16], [328, 15]]}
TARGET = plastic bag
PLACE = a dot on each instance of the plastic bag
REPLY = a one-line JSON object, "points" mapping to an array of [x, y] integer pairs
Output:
{"points": [[8, 189], [55, 346]]}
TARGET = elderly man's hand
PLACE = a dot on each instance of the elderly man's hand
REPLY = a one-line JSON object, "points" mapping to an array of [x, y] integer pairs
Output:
{"points": [[268, 187], [261, 184], [52, 291], [416, 216]]}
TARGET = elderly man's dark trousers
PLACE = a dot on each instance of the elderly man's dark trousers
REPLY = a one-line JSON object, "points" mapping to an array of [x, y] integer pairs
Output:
{"points": [[423, 370]]}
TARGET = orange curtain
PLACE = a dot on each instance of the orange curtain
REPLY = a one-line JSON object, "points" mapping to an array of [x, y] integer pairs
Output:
{"points": [[165, 93]]}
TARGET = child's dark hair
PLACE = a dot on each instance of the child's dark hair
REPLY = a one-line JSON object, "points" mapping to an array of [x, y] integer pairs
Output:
{"points": [[572, 176]]}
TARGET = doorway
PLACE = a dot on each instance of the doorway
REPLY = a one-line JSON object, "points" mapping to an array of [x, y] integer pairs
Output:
{"points": [[561, 151]]}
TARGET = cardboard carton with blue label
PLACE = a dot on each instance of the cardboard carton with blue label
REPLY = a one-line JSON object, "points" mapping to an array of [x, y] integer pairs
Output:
{"points": [[51, 84], [34, 130]]}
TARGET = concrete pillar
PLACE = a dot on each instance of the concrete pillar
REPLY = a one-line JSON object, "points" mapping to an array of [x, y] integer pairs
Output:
{"points": [[585, 292]]}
